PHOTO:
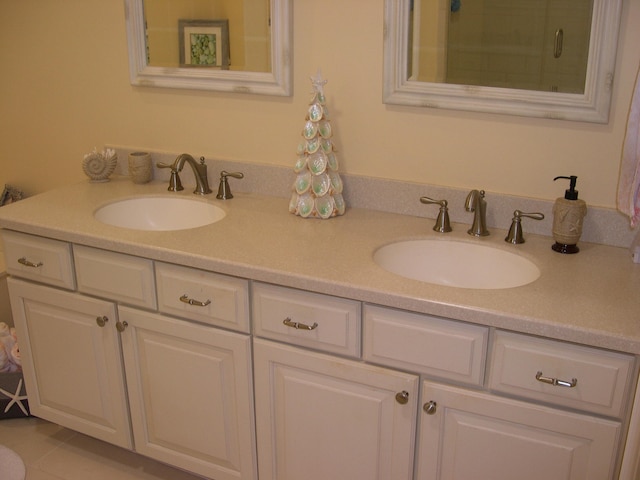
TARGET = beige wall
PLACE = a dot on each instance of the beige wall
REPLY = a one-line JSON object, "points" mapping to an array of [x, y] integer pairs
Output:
{"points": [[64, 88]]}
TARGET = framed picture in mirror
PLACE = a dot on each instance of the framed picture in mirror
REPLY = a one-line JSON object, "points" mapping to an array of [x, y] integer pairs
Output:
{"points": [[204, 43], [260, 34]]}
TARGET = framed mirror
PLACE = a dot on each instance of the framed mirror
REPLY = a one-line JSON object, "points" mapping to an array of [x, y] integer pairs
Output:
{"points": [[536, 58], [239, 46]]}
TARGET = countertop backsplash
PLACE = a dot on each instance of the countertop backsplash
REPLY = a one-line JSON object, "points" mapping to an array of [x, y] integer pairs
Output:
{"points": [[601, 225]]}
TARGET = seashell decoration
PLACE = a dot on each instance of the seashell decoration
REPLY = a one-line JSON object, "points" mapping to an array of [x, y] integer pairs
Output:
{"points": [[317, 188], [98, 166]]}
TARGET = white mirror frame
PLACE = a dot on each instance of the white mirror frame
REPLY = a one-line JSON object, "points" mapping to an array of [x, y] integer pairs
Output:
{"points": [[592, 106], [277, 82]]}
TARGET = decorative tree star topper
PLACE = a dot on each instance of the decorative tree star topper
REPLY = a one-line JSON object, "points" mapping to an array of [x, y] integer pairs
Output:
{"points": [[317, 189], [318, 82]]}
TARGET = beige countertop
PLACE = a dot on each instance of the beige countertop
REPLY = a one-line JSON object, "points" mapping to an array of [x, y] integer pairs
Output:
{"points": [[592, 297]]}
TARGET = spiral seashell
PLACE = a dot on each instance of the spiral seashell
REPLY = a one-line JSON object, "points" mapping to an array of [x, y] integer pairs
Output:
{"points": [[98, 166]]}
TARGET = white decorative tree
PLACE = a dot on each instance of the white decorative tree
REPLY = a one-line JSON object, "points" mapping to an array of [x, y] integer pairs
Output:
{"points": [[317, 189]]}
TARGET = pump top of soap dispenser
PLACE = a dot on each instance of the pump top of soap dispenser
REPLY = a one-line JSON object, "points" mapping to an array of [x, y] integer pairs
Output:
{"points": [[571, 193]]}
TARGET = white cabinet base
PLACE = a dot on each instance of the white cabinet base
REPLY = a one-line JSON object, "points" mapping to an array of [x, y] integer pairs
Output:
{"points": [[190, 394], [72, 367], [474, 436], [320, 417]]}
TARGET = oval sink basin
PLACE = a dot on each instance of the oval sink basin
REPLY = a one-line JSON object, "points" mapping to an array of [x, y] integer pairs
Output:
{"points": [[159, 213], [456, 264]]}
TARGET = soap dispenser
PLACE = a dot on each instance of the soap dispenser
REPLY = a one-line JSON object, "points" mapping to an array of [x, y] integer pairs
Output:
{"points": [[568, 214]]}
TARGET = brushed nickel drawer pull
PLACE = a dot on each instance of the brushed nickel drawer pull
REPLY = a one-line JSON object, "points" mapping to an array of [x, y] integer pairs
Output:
{"points": [[299, 326], [27, 263], [185, 299], [555, 381]]}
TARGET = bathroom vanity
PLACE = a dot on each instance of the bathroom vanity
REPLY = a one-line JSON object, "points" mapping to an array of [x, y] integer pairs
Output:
{"points": [[270, 346]]}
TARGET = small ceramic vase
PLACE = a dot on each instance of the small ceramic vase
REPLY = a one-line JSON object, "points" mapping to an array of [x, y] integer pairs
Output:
{"points": [[140, 167]]}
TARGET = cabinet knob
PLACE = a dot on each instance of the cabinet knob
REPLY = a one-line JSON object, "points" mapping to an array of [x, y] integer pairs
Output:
{"points": [[121, 326], [430, 407], [402, 397], [101, 321]]}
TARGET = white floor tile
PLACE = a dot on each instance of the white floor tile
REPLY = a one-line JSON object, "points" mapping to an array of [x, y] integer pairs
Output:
{"points": [[51, 452]]}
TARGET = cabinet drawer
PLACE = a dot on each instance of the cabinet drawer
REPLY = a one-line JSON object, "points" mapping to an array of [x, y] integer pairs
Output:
{"points": [[323, 322], [421, 343], [570, 375], [116, 276], [203, 296], [39, 259]]}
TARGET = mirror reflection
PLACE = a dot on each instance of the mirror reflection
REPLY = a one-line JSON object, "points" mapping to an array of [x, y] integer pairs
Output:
{"points": [[237, 46], [537, 58], [225, 34], [523, 44]]}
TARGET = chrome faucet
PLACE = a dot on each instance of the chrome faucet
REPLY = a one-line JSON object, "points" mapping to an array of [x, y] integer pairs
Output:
{"points": [[477, 204], [199, 172]]}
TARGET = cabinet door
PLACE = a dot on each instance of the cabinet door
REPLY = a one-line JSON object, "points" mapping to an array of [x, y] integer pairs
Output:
{"points": [[469, 435], [321, 417], [72, 366], [190, 394]]}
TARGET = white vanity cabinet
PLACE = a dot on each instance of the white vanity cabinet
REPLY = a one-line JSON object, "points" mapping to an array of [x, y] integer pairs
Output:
{"points": [[493, 404], [477, 433], [71, 361], [321, 416], [175, 390], [190, 393], [470, 435], [163, 362]]}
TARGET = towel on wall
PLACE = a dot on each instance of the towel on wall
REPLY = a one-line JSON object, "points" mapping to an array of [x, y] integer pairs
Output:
{"points": [[629, 182]]}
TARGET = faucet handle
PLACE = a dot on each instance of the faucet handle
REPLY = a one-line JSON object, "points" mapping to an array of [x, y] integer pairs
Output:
{"points": [[515, 232], [442, 222], [175, 185], [224, 192]]}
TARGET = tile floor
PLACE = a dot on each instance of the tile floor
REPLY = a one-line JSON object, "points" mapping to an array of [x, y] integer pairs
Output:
{"points": [[51, 452]]}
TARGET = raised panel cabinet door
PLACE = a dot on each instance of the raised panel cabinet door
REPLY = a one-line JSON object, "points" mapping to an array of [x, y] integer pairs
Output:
{"points": [[320, 417], [467, 435], [190, 394], [71, 360]]}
